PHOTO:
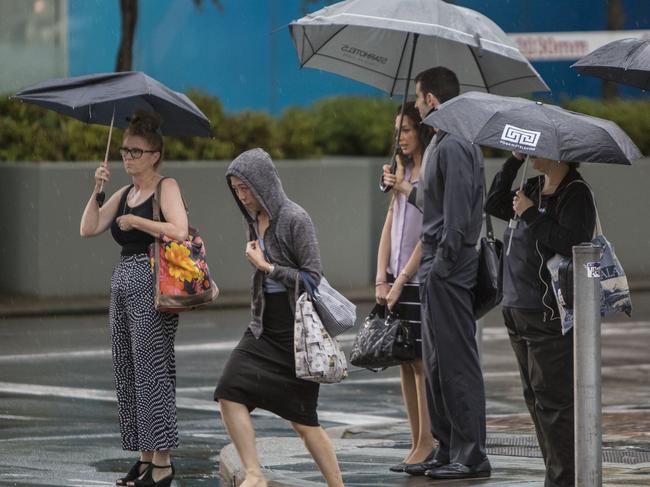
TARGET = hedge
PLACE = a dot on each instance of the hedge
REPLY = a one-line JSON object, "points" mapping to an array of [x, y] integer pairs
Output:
{"points": [[353, 126], [334, 126]]}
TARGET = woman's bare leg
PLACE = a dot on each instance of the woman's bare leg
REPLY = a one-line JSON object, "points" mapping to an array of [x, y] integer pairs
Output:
{"points": [[409, 394], [240, 428], [321, 449], [424, 442]]}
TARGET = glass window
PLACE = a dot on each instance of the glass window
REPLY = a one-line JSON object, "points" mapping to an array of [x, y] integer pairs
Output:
{"points": [[33, 37]]}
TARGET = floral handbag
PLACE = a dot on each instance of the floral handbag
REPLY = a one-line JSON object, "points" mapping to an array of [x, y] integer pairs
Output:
{"points": [[182, 277]]}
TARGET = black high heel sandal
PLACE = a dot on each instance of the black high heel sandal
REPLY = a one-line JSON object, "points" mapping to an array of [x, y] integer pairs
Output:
{"points": [[133, 473], [148, 481]]}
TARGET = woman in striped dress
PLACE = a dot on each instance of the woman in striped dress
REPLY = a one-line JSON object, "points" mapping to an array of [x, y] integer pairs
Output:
{"points": [[396, 283]]}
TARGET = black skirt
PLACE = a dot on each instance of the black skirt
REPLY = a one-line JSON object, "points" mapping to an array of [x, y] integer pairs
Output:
{"points": [[408, 308], [261, 373]]}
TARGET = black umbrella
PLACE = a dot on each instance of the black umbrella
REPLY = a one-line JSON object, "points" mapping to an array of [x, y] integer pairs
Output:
{"points": [[535, 129], [624, 61], [112, 98]]}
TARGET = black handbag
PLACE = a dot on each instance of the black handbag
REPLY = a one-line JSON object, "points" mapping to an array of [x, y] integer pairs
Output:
{"points": [[383, 341], [487, 292]]}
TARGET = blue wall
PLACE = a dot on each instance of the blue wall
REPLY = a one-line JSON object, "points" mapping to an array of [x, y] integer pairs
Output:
{"points": [[245, 55]]}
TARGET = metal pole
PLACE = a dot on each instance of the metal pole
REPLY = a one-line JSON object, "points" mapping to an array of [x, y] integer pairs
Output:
{"points": [[586, 365]]}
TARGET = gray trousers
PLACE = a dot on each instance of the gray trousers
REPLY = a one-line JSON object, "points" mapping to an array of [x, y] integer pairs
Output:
{"points": [[455, 391]]}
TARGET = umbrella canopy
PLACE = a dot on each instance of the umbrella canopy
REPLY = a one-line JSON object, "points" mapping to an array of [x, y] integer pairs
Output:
{"points": [[625, 61], [379, 43], [534, 128], [96, 98]]}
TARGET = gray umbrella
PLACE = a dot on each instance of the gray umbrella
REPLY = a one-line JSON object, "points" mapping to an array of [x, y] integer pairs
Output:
{"points": [[112, 98], [385, 44], [625, 61], [535, 129], [379, 43]]}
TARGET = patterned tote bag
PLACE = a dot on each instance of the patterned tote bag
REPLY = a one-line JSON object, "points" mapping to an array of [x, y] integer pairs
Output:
{"points": [[318, 356], [615, 291]]}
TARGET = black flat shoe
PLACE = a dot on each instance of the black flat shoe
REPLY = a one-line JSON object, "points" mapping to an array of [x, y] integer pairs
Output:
{"points": [[398, 468], [454, 471], [133, 473], [148, 481], [429, 463], [422, 467]]}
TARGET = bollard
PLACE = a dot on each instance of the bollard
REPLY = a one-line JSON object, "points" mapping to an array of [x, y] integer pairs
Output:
{"points": [[586, 365]]}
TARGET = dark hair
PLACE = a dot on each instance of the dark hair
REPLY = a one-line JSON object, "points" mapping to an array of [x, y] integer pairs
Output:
{"points": [[147, 125], [441, 82], [425, 133]]}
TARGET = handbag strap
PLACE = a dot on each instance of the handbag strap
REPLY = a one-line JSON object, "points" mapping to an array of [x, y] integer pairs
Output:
{"points": [[598, 231], [309, 284], [156, 201], [489, 230]]}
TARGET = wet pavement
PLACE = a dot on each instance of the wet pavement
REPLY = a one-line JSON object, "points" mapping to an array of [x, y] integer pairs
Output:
{"points": [[58, 420]]}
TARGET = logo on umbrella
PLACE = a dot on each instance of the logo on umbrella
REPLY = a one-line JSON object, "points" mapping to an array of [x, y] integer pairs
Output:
{"points": [[517, 137], [360, 53]]}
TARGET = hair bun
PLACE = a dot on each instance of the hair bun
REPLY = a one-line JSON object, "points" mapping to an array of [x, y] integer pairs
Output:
{"points": [[145, 121]]}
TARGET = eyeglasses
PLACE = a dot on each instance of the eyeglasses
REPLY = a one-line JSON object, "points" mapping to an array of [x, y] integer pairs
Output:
{"points": [[134, 152]]}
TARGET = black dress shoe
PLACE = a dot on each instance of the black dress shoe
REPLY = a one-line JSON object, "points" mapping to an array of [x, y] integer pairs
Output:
{"points": [[455, 471], [429, 463], [398, 468]]}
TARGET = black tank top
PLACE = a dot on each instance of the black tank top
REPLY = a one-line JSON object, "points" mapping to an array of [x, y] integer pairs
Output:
{"points": [[133, 241]]}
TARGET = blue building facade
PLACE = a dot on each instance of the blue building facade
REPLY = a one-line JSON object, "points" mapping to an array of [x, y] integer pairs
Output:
{"points": [[244, 54]]}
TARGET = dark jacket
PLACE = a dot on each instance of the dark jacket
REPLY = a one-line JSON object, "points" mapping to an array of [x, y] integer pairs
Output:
{"points": [[453, 199], [566, 218], [290, 238]]}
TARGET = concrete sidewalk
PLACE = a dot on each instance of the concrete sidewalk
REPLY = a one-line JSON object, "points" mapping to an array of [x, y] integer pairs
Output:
{"points": [[365, 453]]}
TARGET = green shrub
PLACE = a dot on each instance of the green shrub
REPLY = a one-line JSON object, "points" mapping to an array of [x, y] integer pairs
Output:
{"points": [[355, 126]]}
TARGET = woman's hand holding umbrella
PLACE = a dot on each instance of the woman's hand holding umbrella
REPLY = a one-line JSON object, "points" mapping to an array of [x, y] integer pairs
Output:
{"points": [[520, 203], [102, 175]]}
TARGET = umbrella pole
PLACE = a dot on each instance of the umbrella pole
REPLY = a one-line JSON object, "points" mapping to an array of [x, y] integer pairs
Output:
{"points": [[514, 222], [101, 196], [393, 164]]}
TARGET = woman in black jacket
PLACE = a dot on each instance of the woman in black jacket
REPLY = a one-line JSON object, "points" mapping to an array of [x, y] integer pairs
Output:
{"points": [[556, 211]]}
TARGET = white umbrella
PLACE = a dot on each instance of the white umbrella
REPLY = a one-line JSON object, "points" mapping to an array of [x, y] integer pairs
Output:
{"points": [[386, 44], [379, 42]]}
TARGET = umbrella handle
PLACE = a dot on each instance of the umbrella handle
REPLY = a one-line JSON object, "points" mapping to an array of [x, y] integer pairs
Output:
{"points": [[101, 196], [514, 222], [393, 164]]}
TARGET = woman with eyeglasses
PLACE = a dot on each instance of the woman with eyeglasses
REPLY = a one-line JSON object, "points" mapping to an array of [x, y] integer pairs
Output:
{"points": [[142, 337]]}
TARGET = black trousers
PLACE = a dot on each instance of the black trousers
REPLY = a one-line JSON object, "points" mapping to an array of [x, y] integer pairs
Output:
{"points": [[545, 360], [455, 391]]}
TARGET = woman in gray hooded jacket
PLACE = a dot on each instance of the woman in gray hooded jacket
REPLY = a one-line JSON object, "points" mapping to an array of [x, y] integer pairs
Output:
{"points": [[260, 371]]}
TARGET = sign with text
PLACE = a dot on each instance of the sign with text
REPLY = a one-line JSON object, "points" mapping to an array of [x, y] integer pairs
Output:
{"points": [[569, 46]]}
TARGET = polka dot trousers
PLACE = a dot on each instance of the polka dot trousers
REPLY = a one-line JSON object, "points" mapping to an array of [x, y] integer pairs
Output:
{"points": [[143, 359]]}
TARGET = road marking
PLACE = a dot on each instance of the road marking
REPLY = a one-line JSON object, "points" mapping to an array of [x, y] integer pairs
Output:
{"points": [[181, 402], [489, 334]]}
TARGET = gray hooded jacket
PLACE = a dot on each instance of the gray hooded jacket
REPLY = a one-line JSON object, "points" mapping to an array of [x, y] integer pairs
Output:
{"points": [[290, 238]]}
